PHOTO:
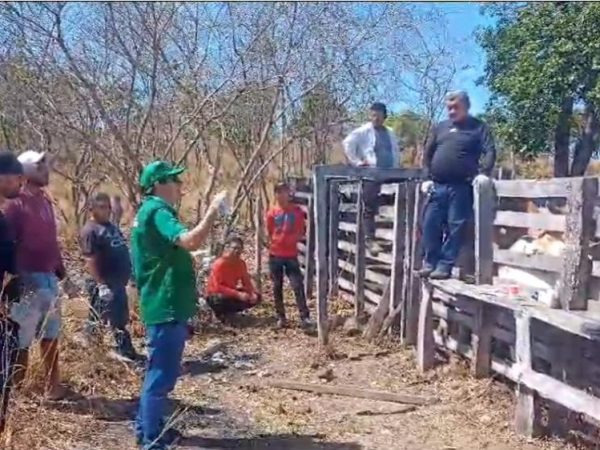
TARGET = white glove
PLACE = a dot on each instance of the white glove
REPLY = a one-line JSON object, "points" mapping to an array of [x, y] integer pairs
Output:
{"points": [[220, 202], [427, 187], [480, 179], [104, 293]]}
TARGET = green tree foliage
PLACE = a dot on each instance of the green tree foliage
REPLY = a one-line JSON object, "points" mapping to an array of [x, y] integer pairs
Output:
{"points": [[543, 67]]}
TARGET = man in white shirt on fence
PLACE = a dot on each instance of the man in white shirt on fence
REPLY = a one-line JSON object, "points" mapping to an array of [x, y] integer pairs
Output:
{"points": [[372, 145]]}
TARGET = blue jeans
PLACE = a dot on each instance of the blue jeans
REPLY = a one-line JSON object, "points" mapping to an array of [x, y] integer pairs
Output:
{"points": [[447, 213], [165, 350]]}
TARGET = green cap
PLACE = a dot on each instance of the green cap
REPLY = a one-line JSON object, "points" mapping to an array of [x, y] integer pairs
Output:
{"points": [[157, 171]]}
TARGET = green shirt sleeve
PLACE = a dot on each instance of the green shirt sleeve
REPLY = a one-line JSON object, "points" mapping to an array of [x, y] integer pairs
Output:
{"points": [[168, 225]]}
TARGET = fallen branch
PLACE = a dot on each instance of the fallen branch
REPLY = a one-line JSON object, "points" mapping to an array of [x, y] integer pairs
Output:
{"points": [[348, 391]]}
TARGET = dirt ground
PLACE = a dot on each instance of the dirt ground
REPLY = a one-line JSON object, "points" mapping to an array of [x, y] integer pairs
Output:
{"points": [[220, 402]]}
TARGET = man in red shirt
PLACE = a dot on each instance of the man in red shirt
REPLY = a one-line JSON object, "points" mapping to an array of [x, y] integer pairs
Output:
{"points": [[285, 227], [229, 289]]}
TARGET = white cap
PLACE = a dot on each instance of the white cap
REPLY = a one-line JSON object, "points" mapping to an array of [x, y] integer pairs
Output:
{"points": [[31, 157]]}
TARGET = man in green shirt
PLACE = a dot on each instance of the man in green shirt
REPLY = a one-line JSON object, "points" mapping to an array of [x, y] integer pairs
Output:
{"points": [[164, 274]]}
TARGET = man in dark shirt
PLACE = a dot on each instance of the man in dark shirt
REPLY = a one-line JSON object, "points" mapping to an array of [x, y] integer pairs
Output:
{"points": [[11, 173], [109, 266], [457, 151]]}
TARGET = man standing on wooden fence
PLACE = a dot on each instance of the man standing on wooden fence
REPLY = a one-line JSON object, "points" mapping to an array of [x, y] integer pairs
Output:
{"points": [[457, 151], [372, 145]]}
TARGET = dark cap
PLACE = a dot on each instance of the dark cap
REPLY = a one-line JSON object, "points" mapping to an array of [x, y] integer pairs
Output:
{"points": [[377, 106], [281, 187], [9, 164]]}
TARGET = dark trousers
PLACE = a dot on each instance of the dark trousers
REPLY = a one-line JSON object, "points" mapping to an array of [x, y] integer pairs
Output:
{"points": [[224, 306], [371, 207], [115, 313], [9, 346], [291, 267], [448, 211]]}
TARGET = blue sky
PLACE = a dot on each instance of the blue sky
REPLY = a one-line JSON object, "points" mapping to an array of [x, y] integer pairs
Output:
{"points": [[463, 21]]}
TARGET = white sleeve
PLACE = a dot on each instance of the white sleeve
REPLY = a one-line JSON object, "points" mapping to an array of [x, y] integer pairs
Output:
{"points": [[351, 148]]}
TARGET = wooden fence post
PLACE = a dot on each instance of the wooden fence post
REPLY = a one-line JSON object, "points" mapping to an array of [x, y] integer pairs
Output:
{"points": [[425, 341], [258, 220], [359, 265], [579, 231], [526, 412], [320, 231], [484, 205], [334, 219], [397, 277], [414, 285], [309, 265], [481, 340], [408, 221]]}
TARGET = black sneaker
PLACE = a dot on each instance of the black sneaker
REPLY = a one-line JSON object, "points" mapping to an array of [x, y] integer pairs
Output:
{"points": [[425, 272], [282, 323], [438, 274]]}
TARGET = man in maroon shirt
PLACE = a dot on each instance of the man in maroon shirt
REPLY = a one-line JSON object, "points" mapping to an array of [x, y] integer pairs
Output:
{"points": [[39, 266]]}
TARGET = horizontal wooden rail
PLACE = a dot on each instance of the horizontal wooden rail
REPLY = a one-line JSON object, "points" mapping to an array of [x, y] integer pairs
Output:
{"points": [[545, 221]]}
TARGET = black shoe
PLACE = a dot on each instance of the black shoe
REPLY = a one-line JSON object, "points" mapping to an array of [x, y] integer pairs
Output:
{"points": [[282, 323], [438, 274], [425, 272]]}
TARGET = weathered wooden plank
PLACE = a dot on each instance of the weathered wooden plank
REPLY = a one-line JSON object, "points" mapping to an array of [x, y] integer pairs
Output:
{"points": [[359, 262], [425, 340], [452, 344], [484, 201], [398, 251], [370, 173], [320, 218], [538, 262], [556, 187], [382, 233], [349, 286], [580, 228], [408, 329], [385, 214], [414, 288], [385, 258], [481, 341], [547, 387], [311, 237], [544, 221], [334, 200], [352, 391], [369, 274], [352, 188], [581, 323], [526, 420]]}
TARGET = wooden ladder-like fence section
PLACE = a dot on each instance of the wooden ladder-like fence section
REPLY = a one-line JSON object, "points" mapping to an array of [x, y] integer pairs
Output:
{"points": [[550, 356]]}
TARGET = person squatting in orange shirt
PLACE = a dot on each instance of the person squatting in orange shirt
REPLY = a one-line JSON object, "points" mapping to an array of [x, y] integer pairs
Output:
{"points": [[285, 227], [229, 288]]}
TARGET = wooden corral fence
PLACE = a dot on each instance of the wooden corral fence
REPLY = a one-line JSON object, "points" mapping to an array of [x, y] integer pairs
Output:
{"points": [[550, 355]]}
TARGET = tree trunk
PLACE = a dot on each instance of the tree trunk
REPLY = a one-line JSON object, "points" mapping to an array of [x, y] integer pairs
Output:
{"points": [[561, 139], [587, 143]]}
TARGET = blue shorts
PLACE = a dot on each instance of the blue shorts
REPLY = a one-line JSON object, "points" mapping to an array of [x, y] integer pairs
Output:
{"points": [[38, 311]]}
